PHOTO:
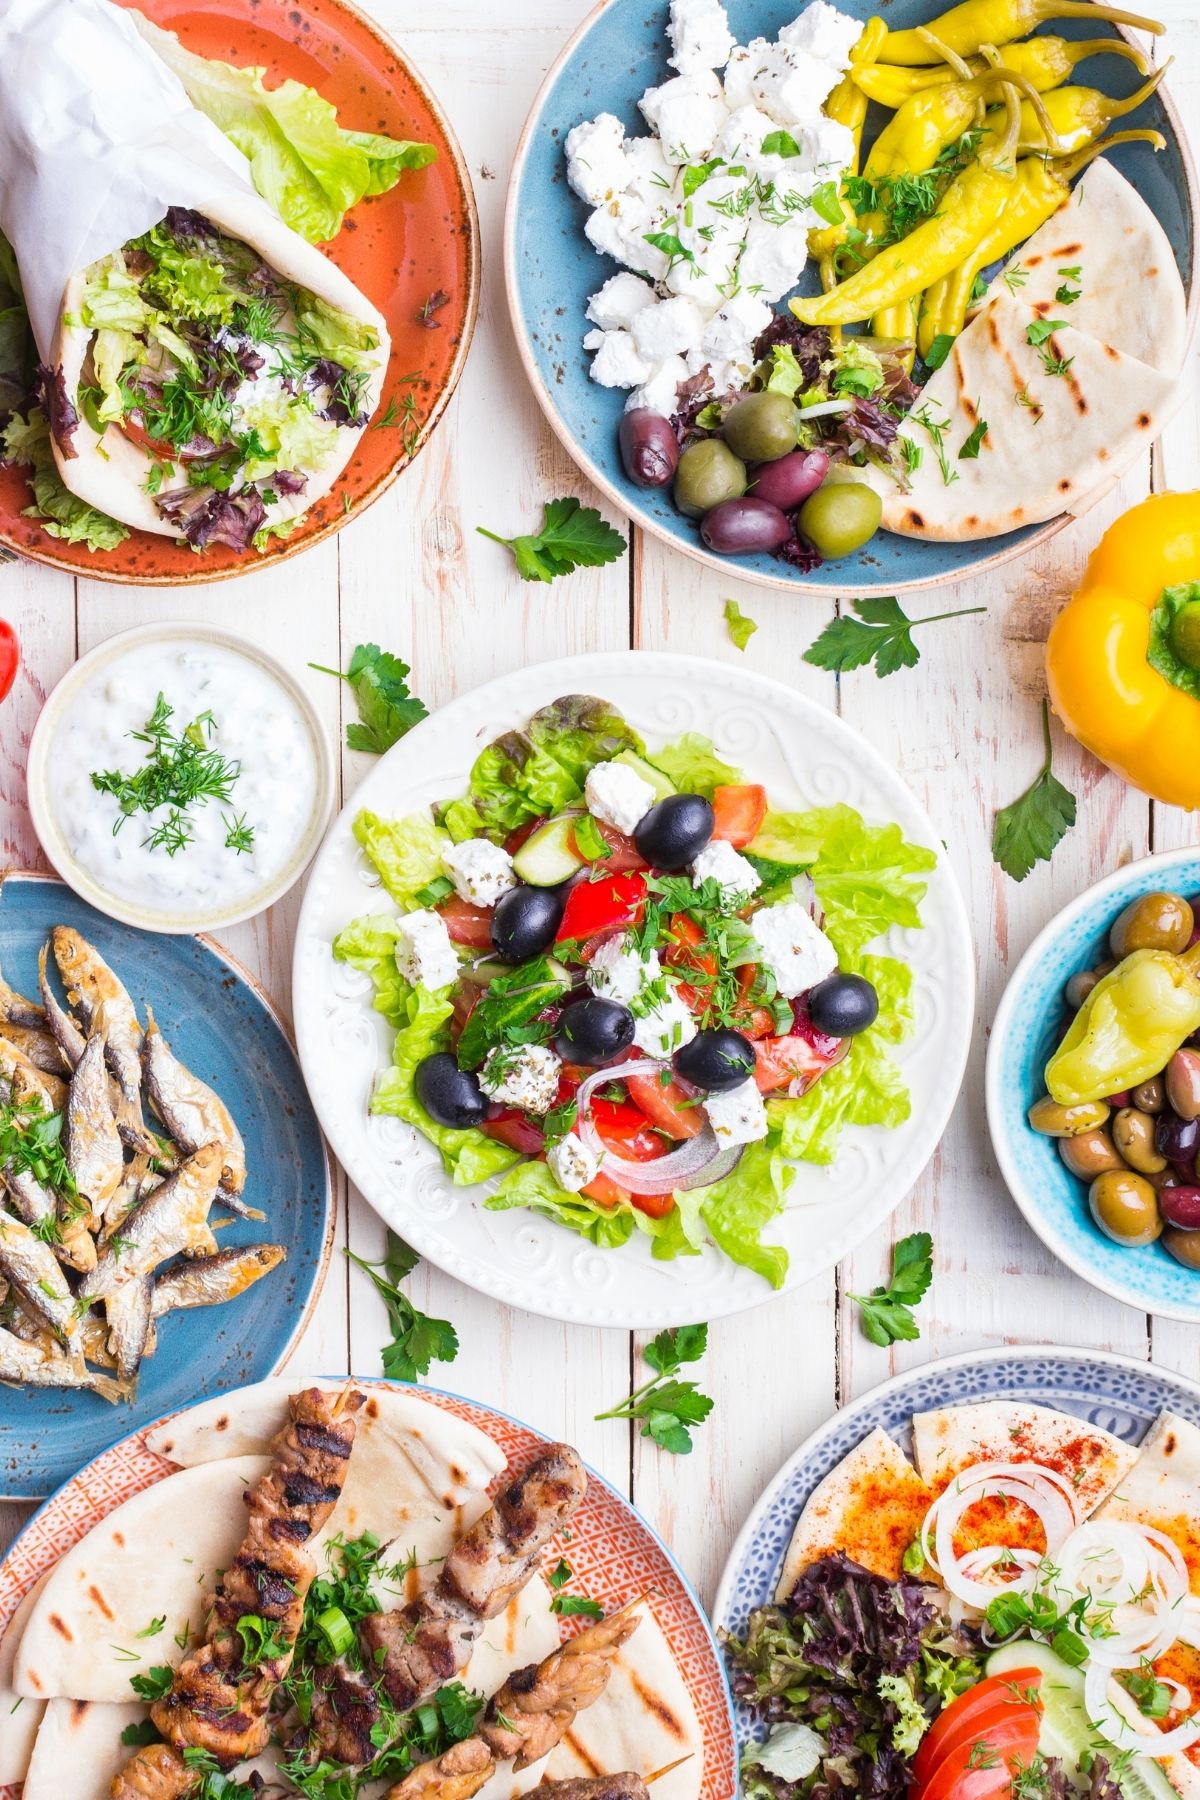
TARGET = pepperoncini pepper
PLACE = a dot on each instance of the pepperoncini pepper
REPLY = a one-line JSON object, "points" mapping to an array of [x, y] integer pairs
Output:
{"points": [[1128, 1028], [930, 122], [973, 23], [1123, 656], [1045, 62], [1079, 115]]}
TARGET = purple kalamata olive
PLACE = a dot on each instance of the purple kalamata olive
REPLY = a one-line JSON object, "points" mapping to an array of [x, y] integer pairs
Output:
{"points": [[1180, 1206], [1183, 1083], [649, 449], [1177, 1139], [790, 480], [738, 526]]}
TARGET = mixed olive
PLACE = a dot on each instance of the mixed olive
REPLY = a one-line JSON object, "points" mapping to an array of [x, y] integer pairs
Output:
{"points": [[1137, 1149]]}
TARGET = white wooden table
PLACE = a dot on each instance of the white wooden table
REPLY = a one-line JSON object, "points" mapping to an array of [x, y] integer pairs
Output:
{"points": [[963, 728]]}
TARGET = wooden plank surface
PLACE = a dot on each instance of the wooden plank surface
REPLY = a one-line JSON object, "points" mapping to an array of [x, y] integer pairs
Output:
{"points": [[963, 728]]}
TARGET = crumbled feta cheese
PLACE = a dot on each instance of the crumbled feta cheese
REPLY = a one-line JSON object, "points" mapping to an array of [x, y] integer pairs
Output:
{"points": [[572, 1163], [687, 113], [827, 148], [666, 1026], [620, 229], [618, 971], [596, 166], [738, 79], [741, 139], [424, 954], [793, 86], [652, 175], [671, 328], [720, 862], [661, 392], [618, 795], [824, 32], [616, 362], [731, 334], [699, 33], [617, 304], [797, 951], [526, 1077], [737, 1117], [774, 257], [481, 871]]}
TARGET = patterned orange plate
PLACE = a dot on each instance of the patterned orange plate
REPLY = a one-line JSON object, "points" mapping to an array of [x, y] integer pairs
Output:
{"points": [[613, 1553], [400, 248]]}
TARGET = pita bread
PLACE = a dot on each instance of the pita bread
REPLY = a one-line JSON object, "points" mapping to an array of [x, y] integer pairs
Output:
{"points": [[1051, 440], [871, 1507], [952, 1439], [1129, 289], [19, 1718]]}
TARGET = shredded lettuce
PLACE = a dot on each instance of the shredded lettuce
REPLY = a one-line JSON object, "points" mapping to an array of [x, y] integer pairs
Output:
{"points": [[345, 340], [407, 852], [867, 877], [694, 766], [542, 768]]}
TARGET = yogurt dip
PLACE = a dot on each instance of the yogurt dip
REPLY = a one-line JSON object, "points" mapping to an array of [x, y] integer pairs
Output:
{"points": [[237, 707]]}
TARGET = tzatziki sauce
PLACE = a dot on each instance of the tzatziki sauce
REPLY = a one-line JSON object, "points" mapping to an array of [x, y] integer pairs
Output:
{"points": [[255, 724]]}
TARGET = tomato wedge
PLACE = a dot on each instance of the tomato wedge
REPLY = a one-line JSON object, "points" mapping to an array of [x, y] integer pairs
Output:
{"points": [[10, 658], [609, 904], [514, 1129], [467, 924], [517, 837], [606, 1192], [738, 813], [623, 854], [985, 1764], [782, 1060], [619, 1120], [671, 1108], [976, 1716]]}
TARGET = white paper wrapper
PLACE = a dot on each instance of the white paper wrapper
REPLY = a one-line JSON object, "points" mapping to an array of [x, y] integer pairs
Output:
{"points": [[97, 140]]}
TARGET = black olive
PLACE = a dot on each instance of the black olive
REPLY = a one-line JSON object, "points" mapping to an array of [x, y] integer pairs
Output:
{"points": [[675, 831], [525, 921], [450, 1095], [843, 1005], [716, 1060], [593, 1031]]}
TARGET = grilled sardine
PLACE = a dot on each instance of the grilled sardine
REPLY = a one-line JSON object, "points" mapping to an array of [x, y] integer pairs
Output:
{"points": [[172, 1218], [33, 1366], [211, 1280], [90, 1137], [127, 1310], [33, 1269], [65, 1031], [189, 1109], [40, 1047], [109, 1013], [15, 1009]]}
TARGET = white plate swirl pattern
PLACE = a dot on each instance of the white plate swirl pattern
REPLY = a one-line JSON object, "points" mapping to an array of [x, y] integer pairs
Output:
{"points": [[806, 757]]}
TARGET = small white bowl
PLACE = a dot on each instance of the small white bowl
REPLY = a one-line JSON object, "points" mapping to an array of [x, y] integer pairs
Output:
{"points": [[82, 880]]}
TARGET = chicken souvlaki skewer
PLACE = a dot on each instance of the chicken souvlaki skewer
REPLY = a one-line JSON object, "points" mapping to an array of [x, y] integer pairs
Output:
{"points": [[448, 1779], [218, 1703], [410, 1652]]}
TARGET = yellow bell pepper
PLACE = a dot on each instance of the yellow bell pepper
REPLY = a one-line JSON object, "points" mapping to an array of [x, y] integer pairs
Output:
{"points": [[1123, 656]]}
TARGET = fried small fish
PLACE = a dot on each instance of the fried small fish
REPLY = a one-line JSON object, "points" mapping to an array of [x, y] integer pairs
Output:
{"points": [[59, 1221], [127, 1310], [23, 1077], [172, 1218], [15, 1009], [91, 1140], [32, 1268], [63, 1028], [212, 1280], [190, 1110], [40, 1048], [32, 1366], [109, 1013]]}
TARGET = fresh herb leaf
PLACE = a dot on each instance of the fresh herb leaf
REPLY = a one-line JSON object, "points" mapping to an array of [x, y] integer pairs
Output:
{"points": [[887, 1311], [179, 772], [155, 1684], [971, 446], [417, 1339], [782, 143], [572, 1605], [572, 537], [386, 708], [937, 429], [1026, 832], [1055, 365], [696, 174], [589, 839], [1015, 277], [939, 350], [1038, 330], [825, 203], [1065, 294], [882, 634], [143, 1731], [238, 835], [667, 1409], [153, 1628], [741, 628], [31, 1143]]}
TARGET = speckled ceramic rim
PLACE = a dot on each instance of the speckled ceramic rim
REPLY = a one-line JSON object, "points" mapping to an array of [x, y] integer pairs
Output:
{"points": [[50, 835], [1000, 1105], [965, 1359], [729, 566], [304, 1317], [44, 553]]}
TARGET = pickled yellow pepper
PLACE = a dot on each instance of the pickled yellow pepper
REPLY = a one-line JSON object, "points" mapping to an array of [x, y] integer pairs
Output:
{"points": [[1128, 1028], [930, 122], [1045, 62], [973, 23], [1080, 114]]}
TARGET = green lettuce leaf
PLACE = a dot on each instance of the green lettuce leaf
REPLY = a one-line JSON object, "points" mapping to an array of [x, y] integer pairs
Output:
{"points": [[290, 433], [301, 160], [26, 440], [737, 1210], [407, 852], [532, 1185], [543, 767], [335, 333], [370, 944], [867, 877], [467, 1156], [693, 765], [111, 297]]}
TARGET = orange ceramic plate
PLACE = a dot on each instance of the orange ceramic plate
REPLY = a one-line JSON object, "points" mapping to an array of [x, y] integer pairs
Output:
{"points": [[422, 239]]}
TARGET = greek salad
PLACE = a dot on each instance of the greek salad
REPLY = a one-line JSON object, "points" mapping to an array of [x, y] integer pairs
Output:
{"points": [[631, 988]]}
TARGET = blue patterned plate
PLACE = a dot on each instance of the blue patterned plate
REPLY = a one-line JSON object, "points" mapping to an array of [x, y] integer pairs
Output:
{"points": [[1023, 1036], [618, 52], [1113, 1392], [221, 1026]]}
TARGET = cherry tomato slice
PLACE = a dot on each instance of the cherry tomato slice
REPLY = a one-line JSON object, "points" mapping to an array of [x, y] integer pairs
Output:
{"points": [[622, 855], [738, 812], [973, 1715], [10, 658], [671, 1108], [655, 1206], [613, 902], [619, 1120], [467, 924]]}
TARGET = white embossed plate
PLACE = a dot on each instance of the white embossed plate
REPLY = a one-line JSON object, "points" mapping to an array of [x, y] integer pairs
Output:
{"points": [[806, 757]]}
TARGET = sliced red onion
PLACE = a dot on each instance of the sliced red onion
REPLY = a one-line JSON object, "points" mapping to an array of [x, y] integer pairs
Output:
{"points": [[680, 1168]]}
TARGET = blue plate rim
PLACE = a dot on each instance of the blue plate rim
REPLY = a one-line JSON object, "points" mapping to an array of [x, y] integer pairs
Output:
{"points": [[242, 974], [999, 1121], [795, 584]]}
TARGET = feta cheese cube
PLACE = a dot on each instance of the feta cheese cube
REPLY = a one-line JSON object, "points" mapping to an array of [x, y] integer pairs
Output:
{"points": [[660, 391], [669, 328], [481, 871], [686, 113], [741, 139], [619, 973], [738, 79], [665, 1026], [699, 33], [618, 795], [617, 304], [793, 85], [731, 334], [596, 166], [424, 954], [797, 952], [720, 862], [824, 32], [774, 257], [617, 362], [737, 1117], [572, 1163], [652, 176], [619, 229], [525, 1077], [828, 148]]}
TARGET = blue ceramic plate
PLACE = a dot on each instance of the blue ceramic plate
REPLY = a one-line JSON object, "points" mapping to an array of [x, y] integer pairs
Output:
{"points": [[1114, 1392], [551, 269], [1023, 1036], [220, 1025]]}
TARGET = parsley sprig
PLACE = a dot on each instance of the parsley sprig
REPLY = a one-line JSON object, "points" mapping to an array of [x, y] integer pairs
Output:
{"points": [[666, 1408], [881, 634], [570, 1605], [31, 1142], [180, 771], [572, 537], [417, 1340], [386, 708], [887, 1311], [1026, 832]]}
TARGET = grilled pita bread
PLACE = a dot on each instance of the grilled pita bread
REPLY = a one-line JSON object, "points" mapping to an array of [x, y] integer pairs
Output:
{"points": [[956, 1437], [871, 1507], [1051, 440]]}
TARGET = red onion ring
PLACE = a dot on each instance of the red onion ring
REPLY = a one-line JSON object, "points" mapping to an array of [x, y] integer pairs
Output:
{"points": [[678, 1169]]}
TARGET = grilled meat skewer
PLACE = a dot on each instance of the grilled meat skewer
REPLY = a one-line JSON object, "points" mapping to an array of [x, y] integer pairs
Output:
{"points": [[454, 1777]]}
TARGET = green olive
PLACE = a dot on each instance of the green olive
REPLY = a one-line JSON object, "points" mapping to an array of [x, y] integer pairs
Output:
{"points": [[1080, 986], [708, 473], [1133, 1135], [1183, 1245], [761, 427], [1184, 634], [1155, 922], [1183, 1083], [840, 519], [1053, 1120], [1090, 1154], [1150, 1096], [1125, 1207]]}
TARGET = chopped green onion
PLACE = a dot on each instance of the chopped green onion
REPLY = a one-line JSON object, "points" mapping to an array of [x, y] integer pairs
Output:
{"points": [[336, 1630]]}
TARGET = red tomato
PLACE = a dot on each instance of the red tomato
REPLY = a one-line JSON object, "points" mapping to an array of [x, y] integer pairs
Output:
{"points": [[752, 1021], [514, 1129], [609, 904], [971, 1718], [515, 839], [667, 1107], [137, 434], [617, 1119], [467, 924], [738, 813], [606, 1192], [785, 1059], [466, 999], [685, 952], [985, 1763], [655, 1206], [622, 851], [10, 658]]}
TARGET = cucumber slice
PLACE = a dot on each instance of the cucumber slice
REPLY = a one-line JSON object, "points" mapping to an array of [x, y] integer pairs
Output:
{"points": [[658, 781], [1066, 1731], [547, 857]]}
